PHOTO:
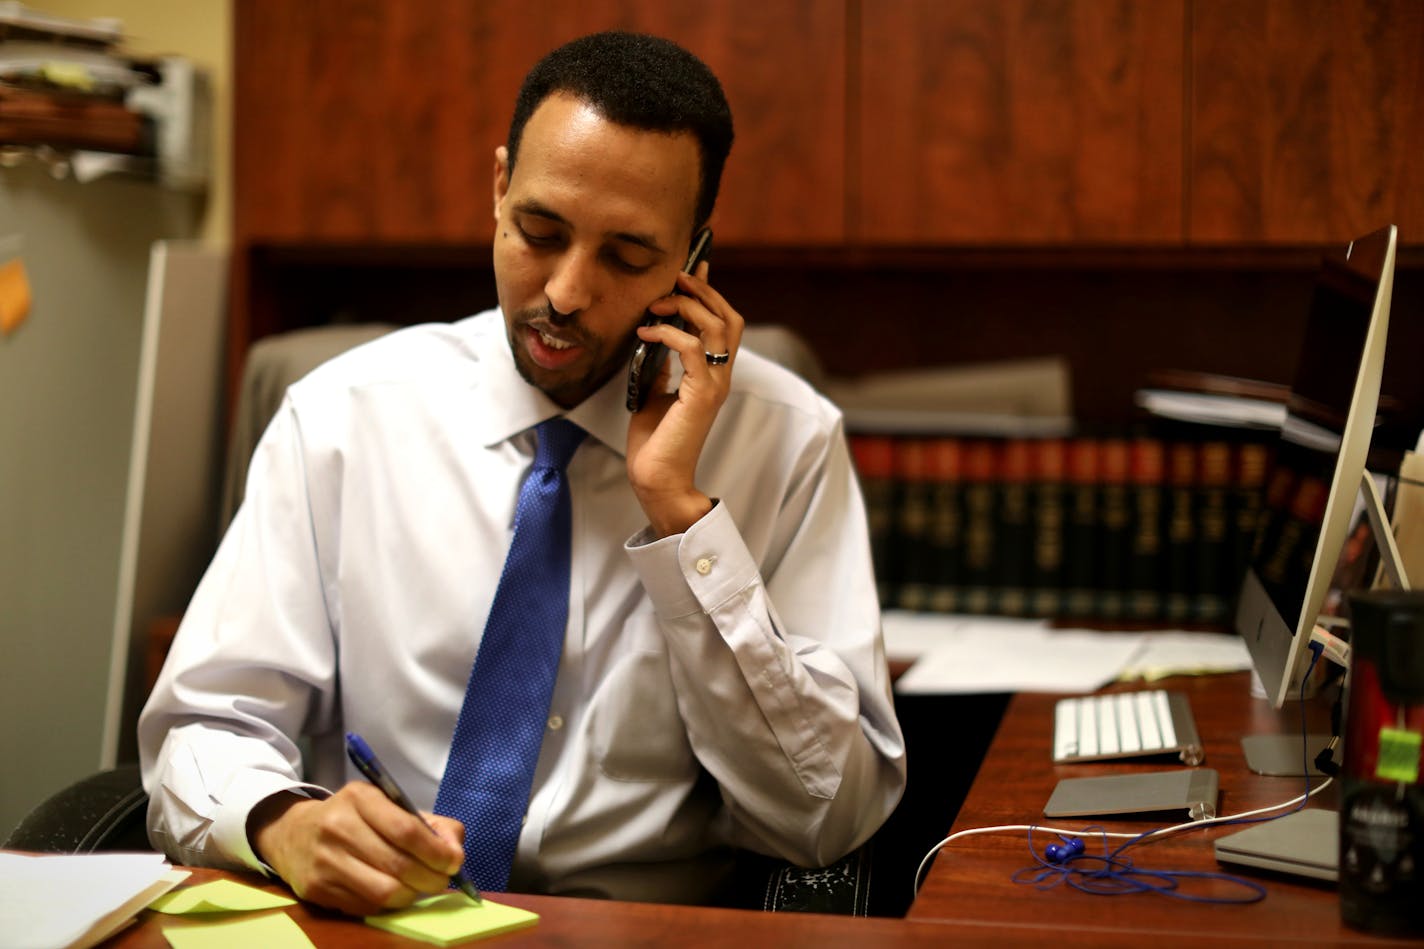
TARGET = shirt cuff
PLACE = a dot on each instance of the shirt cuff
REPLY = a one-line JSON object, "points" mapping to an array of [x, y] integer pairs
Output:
{"points": [[697, 570], [247, 789]]}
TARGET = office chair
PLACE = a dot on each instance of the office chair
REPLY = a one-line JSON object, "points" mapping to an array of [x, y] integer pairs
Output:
{"points": [[101, 812]]}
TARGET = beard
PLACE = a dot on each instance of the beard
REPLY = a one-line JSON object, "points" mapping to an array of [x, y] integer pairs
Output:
{"points": [[598, 360]]}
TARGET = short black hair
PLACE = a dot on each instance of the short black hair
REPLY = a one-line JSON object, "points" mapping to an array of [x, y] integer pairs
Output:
{"points": [[643, 82]]}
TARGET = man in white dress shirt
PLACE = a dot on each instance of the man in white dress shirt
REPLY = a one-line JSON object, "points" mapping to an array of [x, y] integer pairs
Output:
{"points": [[722, 683]]}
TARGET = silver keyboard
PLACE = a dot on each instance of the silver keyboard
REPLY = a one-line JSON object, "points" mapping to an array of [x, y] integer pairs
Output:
{"points": [[1125, 725]]}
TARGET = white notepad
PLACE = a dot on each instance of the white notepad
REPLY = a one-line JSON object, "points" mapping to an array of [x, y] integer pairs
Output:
{"points": [[77, 900]]}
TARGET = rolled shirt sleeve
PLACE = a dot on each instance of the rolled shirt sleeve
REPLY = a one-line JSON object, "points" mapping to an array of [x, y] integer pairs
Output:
{"points": [[793, 718]]}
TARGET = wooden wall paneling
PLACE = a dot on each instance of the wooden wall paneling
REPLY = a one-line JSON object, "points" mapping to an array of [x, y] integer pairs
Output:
{"points": [[367, 120], [1307, 120], [1021, 121], [367, 124], [362, 121], [783, 66]]}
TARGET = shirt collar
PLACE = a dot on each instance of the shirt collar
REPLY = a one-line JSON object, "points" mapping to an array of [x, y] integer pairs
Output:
{"points": [[511, 405]]}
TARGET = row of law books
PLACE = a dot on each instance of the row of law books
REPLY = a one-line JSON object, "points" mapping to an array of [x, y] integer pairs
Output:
{"points": [[1132, 527]]}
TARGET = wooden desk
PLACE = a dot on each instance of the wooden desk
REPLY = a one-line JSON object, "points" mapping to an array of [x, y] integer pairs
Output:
{"points": [[596, 923], [970, 879]]}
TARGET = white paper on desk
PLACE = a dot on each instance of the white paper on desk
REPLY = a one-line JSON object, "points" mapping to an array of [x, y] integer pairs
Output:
{"points": [[1172, 652], [75, 901], [983, 657], [910, 635]]}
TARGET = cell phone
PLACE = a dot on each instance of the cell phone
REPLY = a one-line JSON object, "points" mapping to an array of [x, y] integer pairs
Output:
{"points": [[648, 358]]}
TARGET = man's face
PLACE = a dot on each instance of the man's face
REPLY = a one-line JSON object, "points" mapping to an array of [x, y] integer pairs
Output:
{"points": [[591, 227]]}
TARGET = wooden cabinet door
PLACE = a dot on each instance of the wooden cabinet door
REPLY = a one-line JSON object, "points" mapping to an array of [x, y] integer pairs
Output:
{"points": [[377, 120], [1020, 121], [1307, 120]]}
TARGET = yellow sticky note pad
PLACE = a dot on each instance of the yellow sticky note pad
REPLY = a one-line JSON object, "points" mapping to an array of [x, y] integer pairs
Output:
{"points": [[453, 918], [14, 294], [219, 896], [270, 931]]}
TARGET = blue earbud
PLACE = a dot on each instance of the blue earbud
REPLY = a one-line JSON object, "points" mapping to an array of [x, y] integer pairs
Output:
{"points": [[1061, 853]]}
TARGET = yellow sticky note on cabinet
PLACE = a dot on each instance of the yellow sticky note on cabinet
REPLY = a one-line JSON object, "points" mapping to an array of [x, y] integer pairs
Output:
{"points": [[452, 919], [14, 294]]}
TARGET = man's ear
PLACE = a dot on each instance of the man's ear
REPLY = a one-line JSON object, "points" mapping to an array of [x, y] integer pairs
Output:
{"points": [[501, 177]]}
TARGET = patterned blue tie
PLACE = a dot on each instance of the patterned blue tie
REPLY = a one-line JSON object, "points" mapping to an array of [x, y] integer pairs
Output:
{"points": [[496, 744]]}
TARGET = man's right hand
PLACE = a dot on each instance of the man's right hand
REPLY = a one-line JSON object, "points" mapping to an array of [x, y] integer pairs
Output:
{"points": [[356, 851]]}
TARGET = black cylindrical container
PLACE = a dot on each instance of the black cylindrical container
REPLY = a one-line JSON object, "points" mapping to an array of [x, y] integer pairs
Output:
{"points": [[1382, 806]]}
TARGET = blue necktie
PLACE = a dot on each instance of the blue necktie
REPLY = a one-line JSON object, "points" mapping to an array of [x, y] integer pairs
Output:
{"points": [[501, 726]]}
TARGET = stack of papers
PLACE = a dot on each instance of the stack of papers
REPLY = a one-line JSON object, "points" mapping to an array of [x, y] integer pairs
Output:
{"points": [[955, 654], [76, 901]]}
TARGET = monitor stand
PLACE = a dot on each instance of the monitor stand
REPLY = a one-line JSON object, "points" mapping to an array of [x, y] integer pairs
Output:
{"points": [[1287, 755], [1283, 755]]}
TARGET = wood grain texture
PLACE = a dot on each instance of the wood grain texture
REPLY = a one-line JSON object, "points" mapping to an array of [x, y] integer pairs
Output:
{"points": [[373, 120], [592, 923], [971, 879], [1022, 121], [1307, 120]]}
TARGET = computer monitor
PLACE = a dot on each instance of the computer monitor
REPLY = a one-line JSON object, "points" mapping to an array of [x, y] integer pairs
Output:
{"points": [[1319, 461]]}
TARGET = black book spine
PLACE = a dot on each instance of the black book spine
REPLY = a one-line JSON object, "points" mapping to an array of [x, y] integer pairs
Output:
{"points": [[918, 557], [980, 561], [1048, 499], [1016, 527], [1080, 532], [874, 457], [1115, 533], [1213, 520], [945, 466], [1145, 601], [1181, 533]]}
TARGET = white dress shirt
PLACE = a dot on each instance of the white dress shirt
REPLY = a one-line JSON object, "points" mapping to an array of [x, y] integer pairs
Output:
{"points": [[725, 686]]}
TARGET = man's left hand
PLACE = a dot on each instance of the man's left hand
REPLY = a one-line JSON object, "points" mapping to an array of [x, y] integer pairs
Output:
{"points": [[666, 436]]}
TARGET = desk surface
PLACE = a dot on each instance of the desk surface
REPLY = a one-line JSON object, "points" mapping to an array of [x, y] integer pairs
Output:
{"points": [[595, 923], [970, 879]]}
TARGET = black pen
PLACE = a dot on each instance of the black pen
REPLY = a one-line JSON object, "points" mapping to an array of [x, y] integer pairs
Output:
{"points": [[370, 766]]}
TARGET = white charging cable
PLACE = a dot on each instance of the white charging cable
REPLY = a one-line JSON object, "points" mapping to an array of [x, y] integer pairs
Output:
{"points": [[1145, 836]]}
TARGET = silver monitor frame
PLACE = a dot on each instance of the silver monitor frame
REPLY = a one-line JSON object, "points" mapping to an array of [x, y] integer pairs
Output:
{"points": [[1278, 648]]}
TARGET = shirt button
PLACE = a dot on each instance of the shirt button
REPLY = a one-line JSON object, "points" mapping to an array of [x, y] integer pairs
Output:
{"points": [[555, 722], [704, 566]]}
